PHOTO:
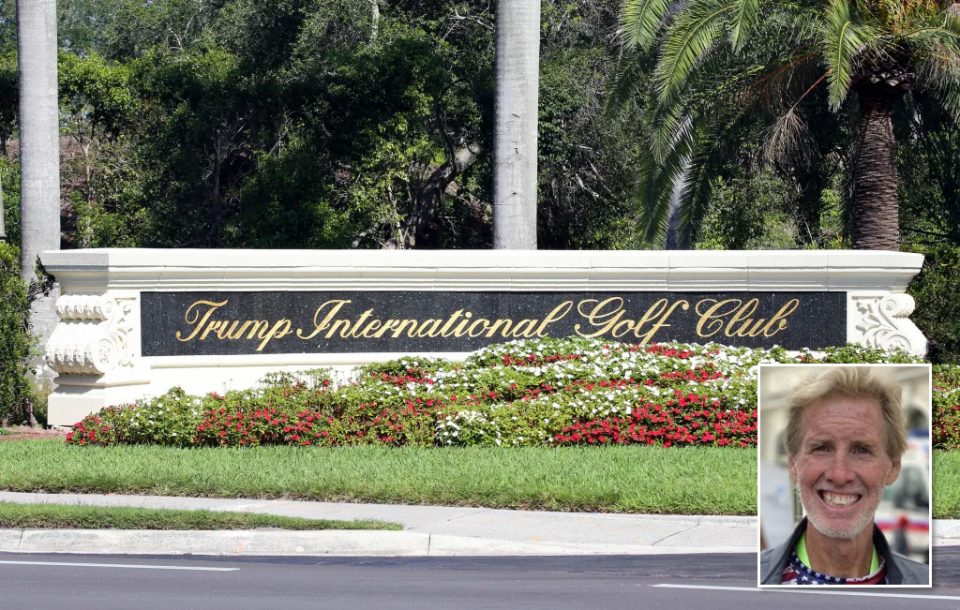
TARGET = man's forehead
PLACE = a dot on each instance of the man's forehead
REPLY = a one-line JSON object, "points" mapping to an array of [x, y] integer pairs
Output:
{"points": [[849, 417]]}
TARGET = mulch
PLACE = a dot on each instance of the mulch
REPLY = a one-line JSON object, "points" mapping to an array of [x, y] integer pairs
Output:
{"points": [[24, 433]]}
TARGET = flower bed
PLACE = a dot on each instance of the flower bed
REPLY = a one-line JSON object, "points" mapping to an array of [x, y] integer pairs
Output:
{"points": [[946, 407], [523, 393]]}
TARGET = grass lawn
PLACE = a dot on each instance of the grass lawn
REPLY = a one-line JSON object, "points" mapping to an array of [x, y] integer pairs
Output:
{"points": [[946, 484], [687, 480], [90, 517]]}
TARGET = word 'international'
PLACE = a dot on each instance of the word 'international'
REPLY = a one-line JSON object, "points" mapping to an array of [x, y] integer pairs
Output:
{"points": [[297, 322]]}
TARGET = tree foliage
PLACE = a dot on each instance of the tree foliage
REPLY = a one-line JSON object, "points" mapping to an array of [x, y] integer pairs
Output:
{"points": [[860, 60], [309, 123], [15, 339]]}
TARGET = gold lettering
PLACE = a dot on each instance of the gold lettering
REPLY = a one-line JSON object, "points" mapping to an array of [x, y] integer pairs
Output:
{"points": [[319, 325], [525, 328], [343, 325], [599, 314], [458, 331], [212, 326], [735, 318], [781, 318], [356, 324], [658, 313], [445, 330], [193, 316], [236, 332], [479, 322], [280, 329], [372, 326], [387, 326], [428, 328], [402, 324], [742, 314], [711, 319], [557, 313], [504, 322]]}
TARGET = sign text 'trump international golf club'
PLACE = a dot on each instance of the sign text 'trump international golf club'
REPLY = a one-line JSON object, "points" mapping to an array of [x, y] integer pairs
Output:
{"points": [[233, 323]]}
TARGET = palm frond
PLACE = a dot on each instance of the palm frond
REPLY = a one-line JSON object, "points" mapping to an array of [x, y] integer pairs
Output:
{"points": [[744, 19], [652, 212], [932, 33], [658, 182], [951, 20], [843, 39], [630, 85], [781, 80], [640, 20], [789, 142], [671, 126], [688, 40], [937, 63], [694, 196]]}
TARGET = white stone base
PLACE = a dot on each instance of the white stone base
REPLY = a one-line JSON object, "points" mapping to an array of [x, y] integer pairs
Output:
{"points": [[96, 347]]}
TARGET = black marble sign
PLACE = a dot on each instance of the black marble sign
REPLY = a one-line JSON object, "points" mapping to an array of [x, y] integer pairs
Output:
{"points": [[232, 323]]}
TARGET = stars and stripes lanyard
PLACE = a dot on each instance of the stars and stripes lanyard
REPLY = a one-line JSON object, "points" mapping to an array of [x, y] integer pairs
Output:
{"points": [[798, 571]]}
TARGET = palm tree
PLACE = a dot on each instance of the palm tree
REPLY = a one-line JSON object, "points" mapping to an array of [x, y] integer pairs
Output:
{"points": [[39, 131], [861, 57], [515, 140], [39, 151]]}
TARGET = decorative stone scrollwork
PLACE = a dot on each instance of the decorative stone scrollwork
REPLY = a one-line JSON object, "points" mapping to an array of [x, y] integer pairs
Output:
{"points": [[884, 322], [93, 336], [85, 307]]}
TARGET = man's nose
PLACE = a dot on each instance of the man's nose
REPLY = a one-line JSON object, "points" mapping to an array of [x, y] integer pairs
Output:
{"points": [[839, 471]]}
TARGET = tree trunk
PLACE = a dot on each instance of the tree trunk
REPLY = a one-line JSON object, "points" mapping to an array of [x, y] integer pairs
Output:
{"points": [[515, 134], [875, 220], [39, 150], [416, 229]]}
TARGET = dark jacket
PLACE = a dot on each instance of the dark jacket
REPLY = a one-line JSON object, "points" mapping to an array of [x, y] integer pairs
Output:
{"points": [[900, 570]]}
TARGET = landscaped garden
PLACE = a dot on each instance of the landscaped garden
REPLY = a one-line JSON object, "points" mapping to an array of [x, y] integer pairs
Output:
{"points": [[557, 424], [542, 393]]}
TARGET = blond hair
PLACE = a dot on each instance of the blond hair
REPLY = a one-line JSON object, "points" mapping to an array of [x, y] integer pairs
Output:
{"points": [[849, 382]]}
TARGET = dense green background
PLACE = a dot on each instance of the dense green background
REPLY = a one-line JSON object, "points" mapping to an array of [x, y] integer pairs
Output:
{"points": [[328, 124]]}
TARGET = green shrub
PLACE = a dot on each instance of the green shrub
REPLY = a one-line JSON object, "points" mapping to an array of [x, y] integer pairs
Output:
{"points": [[15, 342], [171, 419], [938, 309], [946, 407], [523, 393]]}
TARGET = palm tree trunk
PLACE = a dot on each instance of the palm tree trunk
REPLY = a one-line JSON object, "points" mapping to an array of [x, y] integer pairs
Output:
{"points": [[515, 138], [39, 153], [39, 131], [875, 219]]}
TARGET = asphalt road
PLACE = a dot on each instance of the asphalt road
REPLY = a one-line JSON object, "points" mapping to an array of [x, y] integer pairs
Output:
{"points": [[550, 583]]}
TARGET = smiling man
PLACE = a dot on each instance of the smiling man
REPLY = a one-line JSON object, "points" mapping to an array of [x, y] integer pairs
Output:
{"points": [[845, 438]]}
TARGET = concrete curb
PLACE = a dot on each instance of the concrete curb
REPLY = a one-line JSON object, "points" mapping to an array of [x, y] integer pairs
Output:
{"points": [[946, 532], [428, 531], [227, 543], [306, 544]]}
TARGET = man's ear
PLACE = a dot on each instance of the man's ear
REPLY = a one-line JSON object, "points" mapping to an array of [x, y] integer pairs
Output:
{"points": [[791, 467], [894, 472]]}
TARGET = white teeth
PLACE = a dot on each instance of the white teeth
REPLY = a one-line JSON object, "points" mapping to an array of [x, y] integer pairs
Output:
{"points": [[839, 499]]}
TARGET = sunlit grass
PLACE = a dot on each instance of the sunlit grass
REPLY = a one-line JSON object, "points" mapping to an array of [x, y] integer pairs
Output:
{"points": [[98, 517], [689, 480]]}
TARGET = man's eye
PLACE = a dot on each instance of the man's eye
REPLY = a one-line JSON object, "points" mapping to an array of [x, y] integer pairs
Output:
{"points": [[862, 450], [818, 448]]}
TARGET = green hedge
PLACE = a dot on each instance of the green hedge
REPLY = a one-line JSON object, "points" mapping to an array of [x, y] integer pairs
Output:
{"points": [[14, 338], [938, 309], [946, 407], [525, 393]]}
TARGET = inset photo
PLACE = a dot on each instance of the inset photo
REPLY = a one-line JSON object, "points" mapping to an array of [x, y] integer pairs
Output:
{"points": [[844, 475]]}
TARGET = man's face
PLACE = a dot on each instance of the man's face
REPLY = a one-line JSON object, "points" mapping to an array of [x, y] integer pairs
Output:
{"points": [[842, 466]]}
